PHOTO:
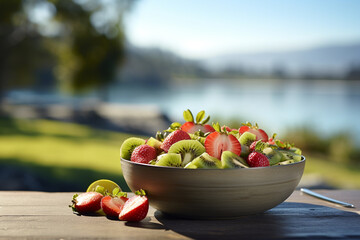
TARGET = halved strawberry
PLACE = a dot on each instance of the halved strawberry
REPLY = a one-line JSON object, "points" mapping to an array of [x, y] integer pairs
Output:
{"points": [[208, 128], [174, 137], [218, 142], [135, 209], [112, 206], [271, 141], [252, 146], [88, 202], [227, 128], [191, 127], [198, 124], [260, 134], [243, 129]]}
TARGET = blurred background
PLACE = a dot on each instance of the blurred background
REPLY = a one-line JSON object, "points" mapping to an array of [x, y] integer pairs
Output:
{"points": [[77, 77]]}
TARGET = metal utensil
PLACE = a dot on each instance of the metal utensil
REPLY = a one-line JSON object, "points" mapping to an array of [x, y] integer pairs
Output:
{"points": [[314, 194]]}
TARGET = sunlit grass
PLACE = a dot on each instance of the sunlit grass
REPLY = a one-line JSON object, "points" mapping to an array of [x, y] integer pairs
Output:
{"points": [[336, 174], [56, 148], [50, 143]]}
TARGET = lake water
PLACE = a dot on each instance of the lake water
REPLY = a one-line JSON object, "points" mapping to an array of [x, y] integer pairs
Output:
{"points": [[329, 106]]}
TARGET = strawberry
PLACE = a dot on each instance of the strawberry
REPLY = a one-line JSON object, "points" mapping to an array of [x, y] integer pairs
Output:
{"points": [[260, 134], [136, 208], [174, 137], [199, 124], [191, 127], [218, 142], [271, 141], [252, 146], [112, 206], [256, 159], [143, 154], [227, 128], [88, 202]]}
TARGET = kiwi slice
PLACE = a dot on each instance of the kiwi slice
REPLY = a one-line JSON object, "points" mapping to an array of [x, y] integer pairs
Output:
{"points": [[286, 162], [289, 155], [129, 145], [245, 151], [169, 160], [231, 160], [247, 138], [191, 165], [296, 150], [154, 143], [152, 162], [206, 161], [189, 150], [273, 155]]}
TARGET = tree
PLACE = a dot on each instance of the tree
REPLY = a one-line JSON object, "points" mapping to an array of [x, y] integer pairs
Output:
{"points": [[81, 41]]}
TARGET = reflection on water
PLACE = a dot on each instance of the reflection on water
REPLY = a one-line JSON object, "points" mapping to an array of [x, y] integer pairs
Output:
{"points": [[329, 106]]}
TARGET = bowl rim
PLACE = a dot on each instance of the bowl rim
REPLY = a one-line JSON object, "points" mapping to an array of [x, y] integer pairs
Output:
{"points": [[303, 159]]}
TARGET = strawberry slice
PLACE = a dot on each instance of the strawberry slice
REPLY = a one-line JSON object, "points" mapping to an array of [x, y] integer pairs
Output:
{"points": [[135, 209], [260, 134], [112, 206], [208, 128], [88, 202], [191, 127], [216, 143]]}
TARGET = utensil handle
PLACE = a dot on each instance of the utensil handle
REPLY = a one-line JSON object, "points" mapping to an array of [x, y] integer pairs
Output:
{"points": [[314, 194]]}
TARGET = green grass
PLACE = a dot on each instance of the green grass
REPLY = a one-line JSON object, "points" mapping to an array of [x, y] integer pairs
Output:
{"points": [[61, 152], [339, 175], [71, 156]]}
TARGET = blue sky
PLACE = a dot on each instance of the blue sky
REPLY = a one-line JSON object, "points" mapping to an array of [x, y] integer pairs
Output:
{"points": [[204, 28]]}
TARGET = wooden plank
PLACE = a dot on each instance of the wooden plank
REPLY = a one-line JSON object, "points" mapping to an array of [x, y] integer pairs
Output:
{"points": [[38, 215]]}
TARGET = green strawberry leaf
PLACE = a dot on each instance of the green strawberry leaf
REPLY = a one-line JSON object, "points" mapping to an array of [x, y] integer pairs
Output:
{"points": [[175, 125], [159, 136], [169, 130], [73, 203], [200, 116], [188, 116], [217, 127], [115, 191], [234, 132], [247, 124], [121, 194], [224, 130], [205, 120], [140, 192], [280, 144], [260, 145]]}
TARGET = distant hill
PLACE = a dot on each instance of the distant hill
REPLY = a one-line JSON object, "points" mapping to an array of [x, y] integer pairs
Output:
{"points": [[327, 60], [155, 67]]}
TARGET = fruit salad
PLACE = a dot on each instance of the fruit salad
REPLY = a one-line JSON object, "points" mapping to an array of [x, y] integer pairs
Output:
{"points": [[196, 144]]}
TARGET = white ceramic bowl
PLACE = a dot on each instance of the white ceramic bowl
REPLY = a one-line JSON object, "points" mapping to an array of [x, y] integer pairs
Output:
{"points": [[213, 193]]}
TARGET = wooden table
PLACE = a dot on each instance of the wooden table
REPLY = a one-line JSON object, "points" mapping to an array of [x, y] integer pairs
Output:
{"points": [[41, 215]]}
